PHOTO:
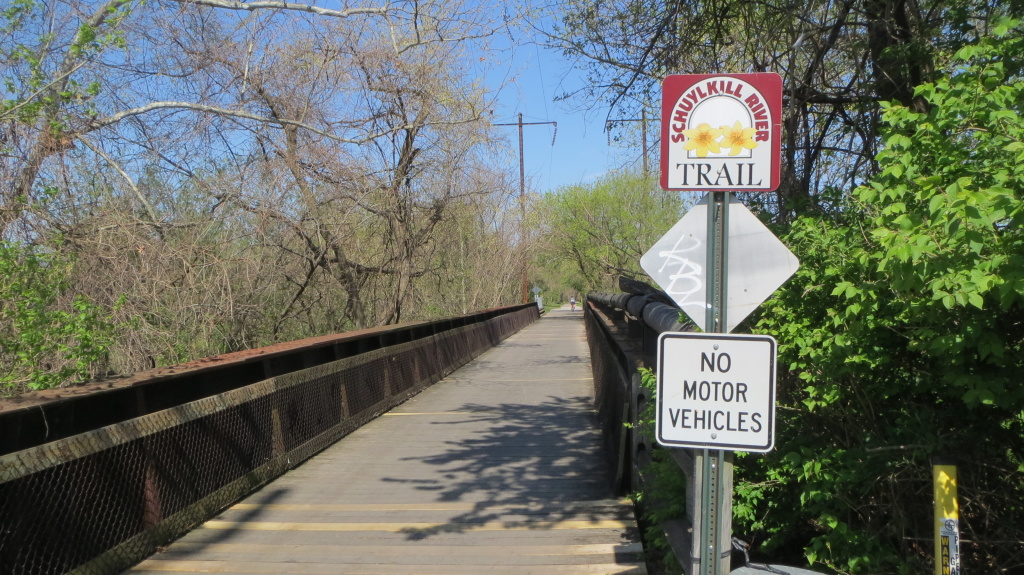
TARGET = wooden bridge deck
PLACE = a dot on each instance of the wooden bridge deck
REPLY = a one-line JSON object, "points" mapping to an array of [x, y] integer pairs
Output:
{"points": [[497, 469]]}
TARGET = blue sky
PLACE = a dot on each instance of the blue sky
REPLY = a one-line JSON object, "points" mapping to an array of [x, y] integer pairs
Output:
{"points": [[580, 153]]}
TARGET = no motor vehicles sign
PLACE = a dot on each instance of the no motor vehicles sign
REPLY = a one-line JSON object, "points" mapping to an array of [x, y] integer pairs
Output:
{"points": [[716, 391]]}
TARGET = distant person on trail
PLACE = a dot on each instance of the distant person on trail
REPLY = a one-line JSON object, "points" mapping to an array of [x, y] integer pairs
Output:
{"points": [[572, 303]]}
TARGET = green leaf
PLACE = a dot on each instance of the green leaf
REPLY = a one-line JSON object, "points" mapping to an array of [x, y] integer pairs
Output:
{"points": [[976, 300]]}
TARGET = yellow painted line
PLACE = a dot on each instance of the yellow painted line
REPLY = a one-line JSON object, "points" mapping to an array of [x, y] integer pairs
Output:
{"points": [[538, 337], [439, 413], [572, 507], [275, 568], [356, 507], [534, 380], [416, 527], [548, 337], [230, 567], [425, 550]]}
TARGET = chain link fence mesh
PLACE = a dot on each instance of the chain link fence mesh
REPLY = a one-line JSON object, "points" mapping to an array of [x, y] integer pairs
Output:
{"points": [[99, 502]]}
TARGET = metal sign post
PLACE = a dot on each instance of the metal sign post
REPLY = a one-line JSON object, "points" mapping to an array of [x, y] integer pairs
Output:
{"points": [[720, 133], [712, 468]]}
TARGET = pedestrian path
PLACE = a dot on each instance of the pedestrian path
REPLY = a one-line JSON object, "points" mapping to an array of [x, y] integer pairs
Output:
{"points": [[497, 469]]}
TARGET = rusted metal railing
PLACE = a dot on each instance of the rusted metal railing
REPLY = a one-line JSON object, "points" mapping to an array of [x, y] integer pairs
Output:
{"points": [[94, 479], [622, 331]]}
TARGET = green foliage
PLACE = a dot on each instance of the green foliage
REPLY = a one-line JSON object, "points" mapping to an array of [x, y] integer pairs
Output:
{"points": [[902, 334], [46, 340], [40, 81], [663, 496], [597, 232]]}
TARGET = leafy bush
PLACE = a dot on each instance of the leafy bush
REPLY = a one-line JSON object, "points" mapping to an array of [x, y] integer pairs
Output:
{"points": [[48, 338], [901, 338], [663, 494]]}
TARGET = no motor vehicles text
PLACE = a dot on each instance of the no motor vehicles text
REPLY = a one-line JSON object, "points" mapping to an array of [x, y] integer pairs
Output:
{"points": [[718, 420], [705, 390]]}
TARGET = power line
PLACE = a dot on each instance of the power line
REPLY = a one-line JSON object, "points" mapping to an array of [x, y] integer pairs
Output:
{"points": [[643, 132]]}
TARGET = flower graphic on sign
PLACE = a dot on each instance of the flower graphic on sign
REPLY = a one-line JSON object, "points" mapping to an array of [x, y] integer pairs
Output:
{"points": [[703, 139], [737, 137]]}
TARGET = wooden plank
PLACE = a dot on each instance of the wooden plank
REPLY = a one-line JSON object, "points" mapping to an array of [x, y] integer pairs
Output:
{"points": [[413, 527], [157, 566], [410, 556], [571, 507], [522, 538], [421, 550]]}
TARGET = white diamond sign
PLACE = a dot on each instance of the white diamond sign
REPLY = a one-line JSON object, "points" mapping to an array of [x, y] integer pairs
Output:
{"points": [[758, 263]]}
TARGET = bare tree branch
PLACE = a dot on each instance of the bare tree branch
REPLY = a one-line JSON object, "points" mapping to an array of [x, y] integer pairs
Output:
{"points": [[192, 106], [274, 5], [131, 183]]}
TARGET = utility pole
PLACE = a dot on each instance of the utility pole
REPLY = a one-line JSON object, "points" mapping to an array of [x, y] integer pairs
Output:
{"points": [[522, 189], [643, 133]]}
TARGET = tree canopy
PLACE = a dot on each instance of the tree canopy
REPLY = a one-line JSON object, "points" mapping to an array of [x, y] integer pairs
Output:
{"points": [[595, 232], [839, 60], [902, 334], [238, 173]]}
